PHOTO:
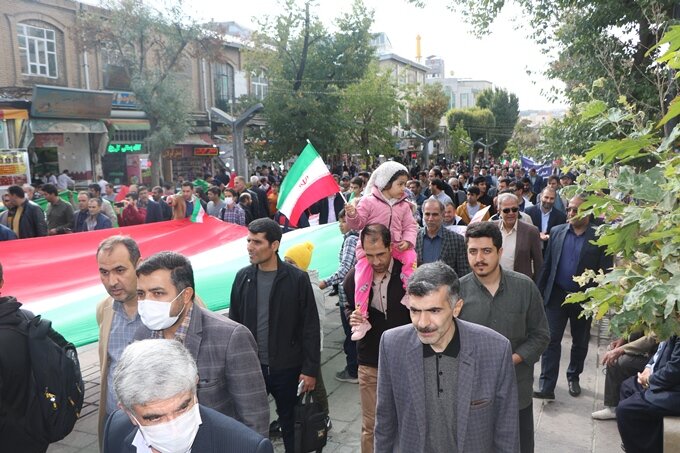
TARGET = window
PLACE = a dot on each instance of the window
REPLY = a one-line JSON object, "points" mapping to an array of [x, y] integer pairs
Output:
{"points": [[259, 85], [224, 86], [38, 51]]}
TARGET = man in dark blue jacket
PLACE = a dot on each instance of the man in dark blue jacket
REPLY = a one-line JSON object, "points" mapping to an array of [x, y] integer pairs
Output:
{"points": [[569, 253], [648, 397], [155, 384], [25, 218], [545, 216]]}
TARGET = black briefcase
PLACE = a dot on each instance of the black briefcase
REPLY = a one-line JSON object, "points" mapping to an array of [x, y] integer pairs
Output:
{"points": [[311, 429]]}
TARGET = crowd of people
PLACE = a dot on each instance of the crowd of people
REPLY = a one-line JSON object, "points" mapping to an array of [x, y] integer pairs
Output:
{"points": [[451, 286]]}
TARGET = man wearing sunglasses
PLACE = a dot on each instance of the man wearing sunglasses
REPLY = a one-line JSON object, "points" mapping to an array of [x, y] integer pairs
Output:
{"points": [[569, 253], [521, 241]]}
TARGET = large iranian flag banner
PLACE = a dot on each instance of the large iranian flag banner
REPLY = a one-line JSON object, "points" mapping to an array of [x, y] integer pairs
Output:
{"points": [[58, 276], [307, 182]]}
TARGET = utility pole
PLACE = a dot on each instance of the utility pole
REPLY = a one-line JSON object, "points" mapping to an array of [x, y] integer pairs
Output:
{"points": [[237, 127]]}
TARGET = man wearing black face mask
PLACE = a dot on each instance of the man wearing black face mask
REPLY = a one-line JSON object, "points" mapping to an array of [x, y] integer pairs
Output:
{"points": [[155, 384], [230, 381]]}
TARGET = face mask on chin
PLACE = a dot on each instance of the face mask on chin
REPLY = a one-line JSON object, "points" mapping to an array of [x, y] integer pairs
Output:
{"points": [[175, 436], [156, 315]]}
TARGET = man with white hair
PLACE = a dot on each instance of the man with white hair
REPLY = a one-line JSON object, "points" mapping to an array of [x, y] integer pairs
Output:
{"points": [[155, 384], [262, 202]]}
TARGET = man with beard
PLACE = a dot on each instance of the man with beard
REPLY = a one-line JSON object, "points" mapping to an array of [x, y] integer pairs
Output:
{"points": [[509, 303], [569, 253], [544, 216]]}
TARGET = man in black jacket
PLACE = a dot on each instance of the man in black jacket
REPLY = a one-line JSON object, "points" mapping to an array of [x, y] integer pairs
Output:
{"points": [[385, 312], [276, 302], [25, 218], [16, 422]]}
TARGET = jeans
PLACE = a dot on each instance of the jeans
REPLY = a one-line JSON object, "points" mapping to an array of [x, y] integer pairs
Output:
{"points": [[282, 385]]}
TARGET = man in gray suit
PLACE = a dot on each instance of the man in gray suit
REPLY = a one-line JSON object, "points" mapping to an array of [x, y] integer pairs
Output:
{"points": [[230, 377], [444, 385]]}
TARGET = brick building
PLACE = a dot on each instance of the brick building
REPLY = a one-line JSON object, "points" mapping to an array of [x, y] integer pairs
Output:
{"points": [[68, 127]]}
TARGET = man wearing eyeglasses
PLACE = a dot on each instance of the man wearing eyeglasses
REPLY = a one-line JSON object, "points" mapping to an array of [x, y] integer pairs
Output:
{"points": [[521, 241], [568, 254]]}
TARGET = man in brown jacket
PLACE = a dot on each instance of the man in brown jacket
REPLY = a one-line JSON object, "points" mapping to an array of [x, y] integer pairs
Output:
{"points": [[117, 317], [521, 241]]}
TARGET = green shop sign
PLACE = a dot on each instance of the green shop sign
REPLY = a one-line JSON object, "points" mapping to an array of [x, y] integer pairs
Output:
{"points": [[124, 148]]}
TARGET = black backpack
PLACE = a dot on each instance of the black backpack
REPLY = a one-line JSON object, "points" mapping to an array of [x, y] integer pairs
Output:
{"points": [[57, 394]]}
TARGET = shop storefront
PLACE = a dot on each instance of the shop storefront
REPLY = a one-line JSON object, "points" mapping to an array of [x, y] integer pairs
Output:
{"points": [[192, 158], [64, 131], [126, 158]]}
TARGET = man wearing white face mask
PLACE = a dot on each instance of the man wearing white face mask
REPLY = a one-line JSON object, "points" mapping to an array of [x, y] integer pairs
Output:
{"points": [[155, 383], [231, 380], [232, 212]]}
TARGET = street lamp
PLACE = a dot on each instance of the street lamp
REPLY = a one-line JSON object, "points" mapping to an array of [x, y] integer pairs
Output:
{"points": [[237, 126]]}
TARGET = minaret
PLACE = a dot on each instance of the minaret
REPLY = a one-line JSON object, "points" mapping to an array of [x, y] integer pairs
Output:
{"points": [[418, 55]]}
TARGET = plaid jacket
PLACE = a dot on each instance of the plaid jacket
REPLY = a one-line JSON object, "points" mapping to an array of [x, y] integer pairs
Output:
{"points": [[453, 250]]}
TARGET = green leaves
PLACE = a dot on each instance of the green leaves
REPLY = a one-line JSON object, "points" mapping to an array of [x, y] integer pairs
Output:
{"points": [[621, 150]]}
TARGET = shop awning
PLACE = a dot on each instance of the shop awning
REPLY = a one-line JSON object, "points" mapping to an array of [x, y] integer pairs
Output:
{"points": [[67, 127], [128, 125], [196, 140], [13, 114], [41, 126]]}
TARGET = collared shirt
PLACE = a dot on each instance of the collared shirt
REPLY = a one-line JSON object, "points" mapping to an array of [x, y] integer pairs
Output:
{"points": [[236, 215], [139, 443], [379, 300], [181, 332], [440, 371], [445, 199], [571, 252], [545, 218], [516, 312], [432, 247], [509, 245], [347, 258], [122, 332], [331, 209]]}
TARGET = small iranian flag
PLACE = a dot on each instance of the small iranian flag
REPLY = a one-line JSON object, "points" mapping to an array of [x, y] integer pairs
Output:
{"points": [[307, 182]]}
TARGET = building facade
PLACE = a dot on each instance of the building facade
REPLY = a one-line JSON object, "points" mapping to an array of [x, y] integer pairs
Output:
{"points": [[58, 122]]}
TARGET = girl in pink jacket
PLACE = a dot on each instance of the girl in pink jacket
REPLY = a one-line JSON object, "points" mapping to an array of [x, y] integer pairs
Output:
{"points": [[384, 202]]}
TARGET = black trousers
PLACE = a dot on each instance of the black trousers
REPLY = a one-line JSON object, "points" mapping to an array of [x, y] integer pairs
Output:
{"points": [[282, 385], [526, 429], [558, 315], [349, 346], [640, 423]]}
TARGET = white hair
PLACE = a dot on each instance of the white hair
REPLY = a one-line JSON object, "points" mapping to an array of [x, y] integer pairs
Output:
{"points": [[506, 196], [152, 370]]}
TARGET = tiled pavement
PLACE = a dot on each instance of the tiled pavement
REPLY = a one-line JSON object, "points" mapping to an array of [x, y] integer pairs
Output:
{"points": [[561, 426]]}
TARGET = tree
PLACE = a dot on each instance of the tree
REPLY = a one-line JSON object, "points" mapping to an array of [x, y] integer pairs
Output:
{"points": [[426, 107], [524, 141], [459, 141], [505, 109], [370, 109], [308, 67], [589, 40], [634, 182], [152, 48], [479, 123]]}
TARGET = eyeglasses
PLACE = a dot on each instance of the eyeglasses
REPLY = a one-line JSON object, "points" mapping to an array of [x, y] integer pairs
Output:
{"points": [[507, 210]]}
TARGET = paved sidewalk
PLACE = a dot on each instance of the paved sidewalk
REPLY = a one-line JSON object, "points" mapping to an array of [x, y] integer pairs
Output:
{"points": [[563, 425]]}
